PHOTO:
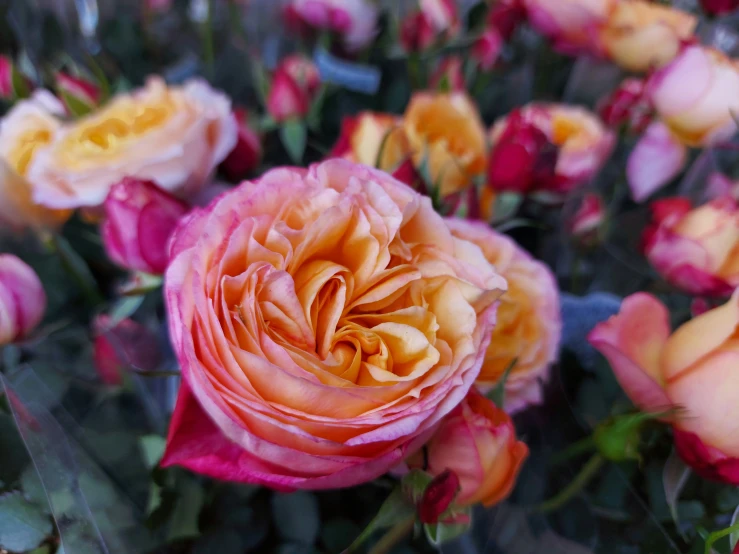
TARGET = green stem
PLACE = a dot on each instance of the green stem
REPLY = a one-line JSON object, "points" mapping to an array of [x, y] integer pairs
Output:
{"points": [[394, 535], [717, 535], [580, 447], [578, 483]]}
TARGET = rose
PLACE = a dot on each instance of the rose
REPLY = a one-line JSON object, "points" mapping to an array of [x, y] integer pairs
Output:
{"points": [[354, 20], [6, 78], [294, 85], [22, 299], [245, 156], [174, 136], [718, 7], [476, 441], [325, 320], [416, 32], [640, 35], [487, 48], [76, 89], [449, 75], [504, 17], [446, 133], [139, 219], [573, 25], [124, 345], [27, 128], [587, 220], [626, 106], [695, 249], [693, 370], [442, 14], [696, 94], [529, 324], [582, 144]]}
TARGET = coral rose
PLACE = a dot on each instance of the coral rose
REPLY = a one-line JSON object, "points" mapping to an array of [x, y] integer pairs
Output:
{"points": [[478, 443], [28, 127], [693, 369], [583, 143], [529, 324], [446, 133], [325, 321], [22, 299], [696, 95], [174, 136], [642, 35], [696, 250]]}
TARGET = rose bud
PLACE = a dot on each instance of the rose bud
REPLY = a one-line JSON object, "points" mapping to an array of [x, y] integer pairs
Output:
{"points": [[247, 153], [487, 48], [572, 25], [416, 32], [719, 7], [294, 85], [441, 14], [139, 218], [556, 147], [77, 88], [691, 372], [6, 78], [125, 346], [504, 16], [641, 35], [478, 443], [696, 95], [22, 299], [449, 75], [695, 250], [585, 224], [627, 106], [438, 497], [528, 326], [354, 20]]}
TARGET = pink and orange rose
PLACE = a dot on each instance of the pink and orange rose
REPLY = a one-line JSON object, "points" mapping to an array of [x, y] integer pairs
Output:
{"points": [[325, 321]]}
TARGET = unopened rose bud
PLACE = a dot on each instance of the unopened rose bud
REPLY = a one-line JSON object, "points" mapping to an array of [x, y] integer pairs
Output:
{"points": [[627, 106], [416, 33], [6, 77], [245, 156], [22, 299], [618, 440], [487, 48], [294, 84], [139, 219], [588, 219], [79, 89], [449, 76], [438, 496]]}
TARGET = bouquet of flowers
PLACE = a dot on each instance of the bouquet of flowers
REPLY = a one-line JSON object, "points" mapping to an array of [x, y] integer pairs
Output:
{"points": [[345, 276]]}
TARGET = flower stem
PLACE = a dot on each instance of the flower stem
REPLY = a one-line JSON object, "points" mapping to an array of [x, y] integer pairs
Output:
{"points": [[580, 447], [394, 535], [587, 472], [717, 535]]}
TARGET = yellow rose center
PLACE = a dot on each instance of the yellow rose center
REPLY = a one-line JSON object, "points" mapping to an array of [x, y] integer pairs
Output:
{"points": [[22, 154], [563, 129]]}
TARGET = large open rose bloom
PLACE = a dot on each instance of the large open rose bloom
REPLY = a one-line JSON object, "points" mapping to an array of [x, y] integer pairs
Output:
{"points": [[446, 132], [174, 136], [28, 127], [693, 369], [572, 25], [529, 325], [325, 321], [697, 95]]}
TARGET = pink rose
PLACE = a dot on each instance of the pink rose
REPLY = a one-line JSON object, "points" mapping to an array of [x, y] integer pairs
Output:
{"points": [[80, 89], [695, 249], [325, 321], [588, 218], [354, 20], [449, 75], [442, 14], [693, 369], [6, 78], [294, 85], [487, 48], [139, 219], [627, 106], [22, 299], [247, 153]]}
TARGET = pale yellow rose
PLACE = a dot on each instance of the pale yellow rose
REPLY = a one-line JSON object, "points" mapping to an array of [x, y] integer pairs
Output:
{"points": [[174, 136], [373, 139]]}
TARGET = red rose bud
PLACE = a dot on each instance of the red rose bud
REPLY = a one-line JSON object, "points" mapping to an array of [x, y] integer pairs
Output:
{"points": [[438, 496], [139, 219], [588, 218], [627, 106], [416, 33], [294, 83], [6, 78], [449, 75], [245, 156], [522, 157], [505, 16], [303, 71], [125, 346], [487, 48], [407, 173], [80, 89], [718, 7]]}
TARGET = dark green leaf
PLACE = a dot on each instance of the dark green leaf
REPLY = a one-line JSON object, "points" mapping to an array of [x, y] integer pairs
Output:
{"points": [[294, 134], [497, 395], [152, 447], [395, 508], [77, 268], [20, 84], [23, 526], [220, 542], [14, 455], [297, 516], [184, 521], [337, 534], [32, 487], [261, 81]]}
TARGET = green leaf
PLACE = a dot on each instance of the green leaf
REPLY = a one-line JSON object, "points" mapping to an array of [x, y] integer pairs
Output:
{"points": [[294, 135], [734, 537], [222, 541], [506, 206], [20, 85], [14, 454], [339, 533], [497, 395], [395, 508], [297, 517], [440, 533], [414, 484], [124, 308], [184, 521], [77, 268], [23, 526], [77, 107], [32, 487], [674, 477], [152, 447], [316, 109], [261, 81]]}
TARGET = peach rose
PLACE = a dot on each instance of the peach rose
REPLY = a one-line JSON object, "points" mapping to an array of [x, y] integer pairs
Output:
{"points": [[696, 250], [583, 142], [173, 136], [694, 369], [478, 443], [529, 324], [641, 35], [446, 132], [373, 139], [573, 25], [28, 127], [696, 95], [325, 321]]}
